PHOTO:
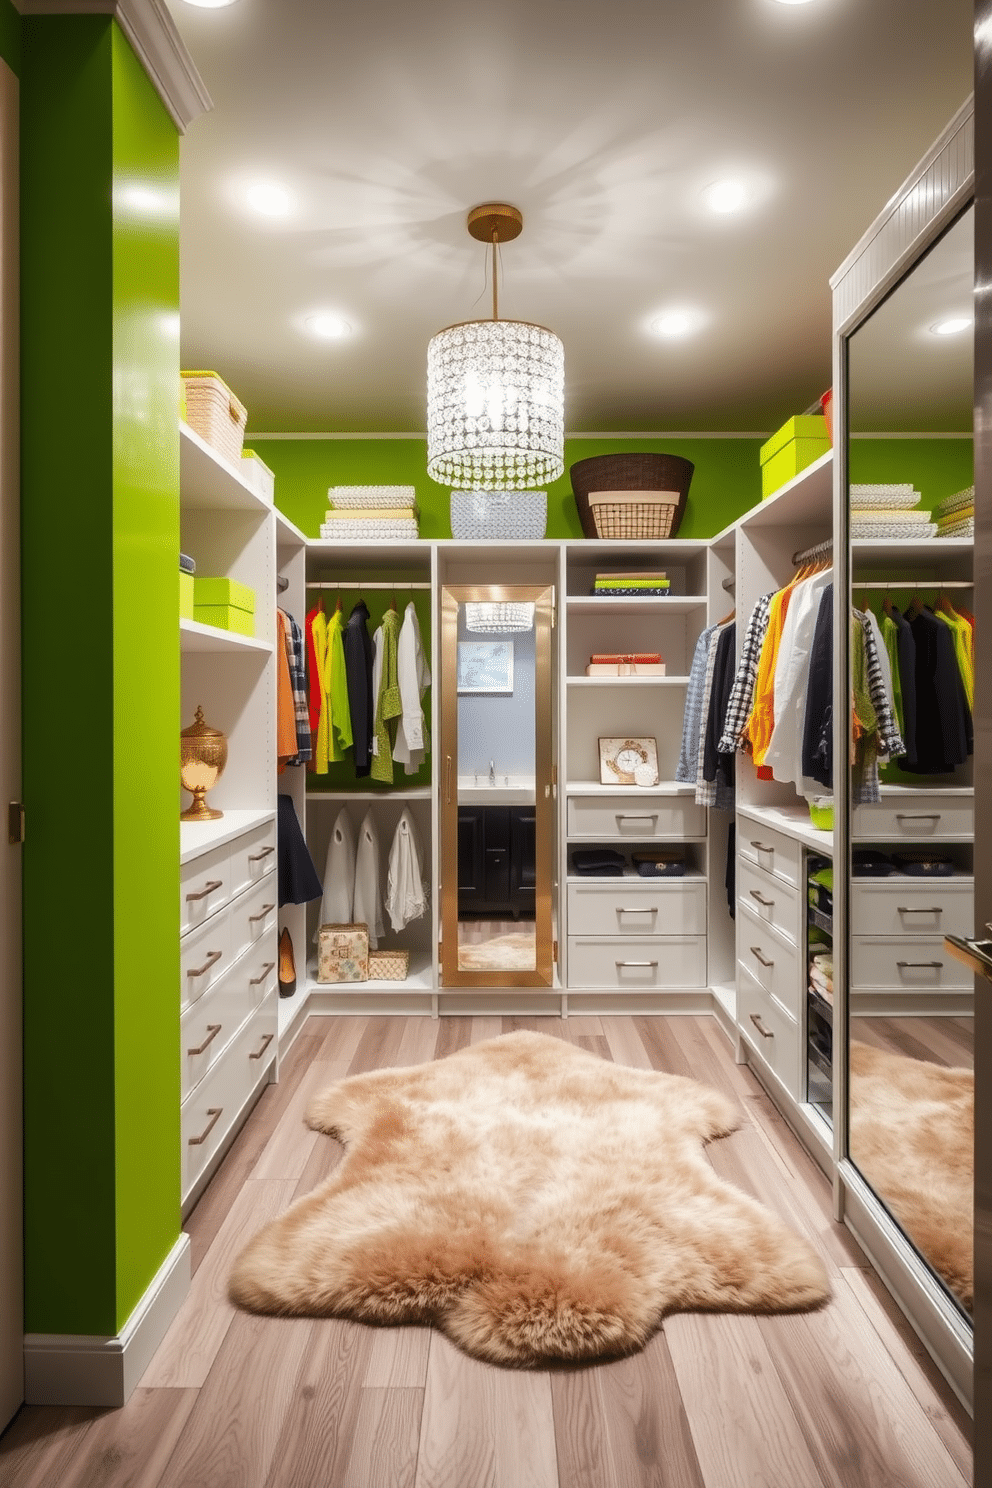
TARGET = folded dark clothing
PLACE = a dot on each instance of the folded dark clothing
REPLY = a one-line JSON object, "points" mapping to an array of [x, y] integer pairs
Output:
{"points": [[186, 564], [607, 871], [598, 860], [923, 865], [868, 862]]}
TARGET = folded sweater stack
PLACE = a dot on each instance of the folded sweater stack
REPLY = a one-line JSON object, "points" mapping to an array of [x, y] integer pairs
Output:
{"points": [[821, 976], [371, 513], [643, 584], [881, 510], [955, 515]]}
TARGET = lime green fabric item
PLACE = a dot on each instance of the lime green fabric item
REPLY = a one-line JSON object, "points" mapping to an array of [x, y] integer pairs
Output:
{"points": [[388, 705], [961, 632], [339, 734]]}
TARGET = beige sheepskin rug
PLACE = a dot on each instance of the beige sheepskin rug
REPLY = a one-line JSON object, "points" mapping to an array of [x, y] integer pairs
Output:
{"points": [[912, 1136], [534, 1201], [516, 951]]}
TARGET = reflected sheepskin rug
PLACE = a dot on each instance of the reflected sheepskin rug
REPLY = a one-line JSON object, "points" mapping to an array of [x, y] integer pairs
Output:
{"points": [[534, 1201], [912, 1136], [516, 951]]}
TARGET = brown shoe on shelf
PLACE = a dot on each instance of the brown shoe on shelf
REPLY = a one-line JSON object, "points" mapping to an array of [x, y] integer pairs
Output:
{"points": [[287, 964]]}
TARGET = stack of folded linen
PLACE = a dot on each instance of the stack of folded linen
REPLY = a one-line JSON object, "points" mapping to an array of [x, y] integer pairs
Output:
{"points": [[376, 513], [889, 511], [821, 976], [652, 582], [955, 515]]}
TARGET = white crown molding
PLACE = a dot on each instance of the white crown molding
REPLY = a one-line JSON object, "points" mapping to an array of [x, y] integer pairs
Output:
{"points": [[80, 1369], [157, 44]]}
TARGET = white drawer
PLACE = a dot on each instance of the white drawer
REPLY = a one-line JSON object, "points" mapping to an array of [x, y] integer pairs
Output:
{"points": [[905, 905], [204, 956], [204, 886], [253, 855], [214, 1105], [208, 1026], [770, 899], [636, 818], [917, 963], [638, 907], [772, 1031], [253, 914], [772, 851], [637, 965], [930, 814], [772, 961]]}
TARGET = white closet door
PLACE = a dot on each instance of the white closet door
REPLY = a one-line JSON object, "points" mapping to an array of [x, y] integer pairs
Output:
{"points": [[11, 1129]]}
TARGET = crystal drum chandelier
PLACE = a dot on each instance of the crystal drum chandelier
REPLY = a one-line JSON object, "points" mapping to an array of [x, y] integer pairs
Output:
{"points": [[495, 390]]}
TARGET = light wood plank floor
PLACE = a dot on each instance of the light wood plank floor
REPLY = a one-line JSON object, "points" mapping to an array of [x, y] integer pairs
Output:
{"points": [[837, 1399]]}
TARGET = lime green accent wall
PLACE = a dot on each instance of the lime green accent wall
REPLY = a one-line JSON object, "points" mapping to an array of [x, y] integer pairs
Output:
{"points": [[937, 467], [726, 481], [100, 536], [10, 36]]}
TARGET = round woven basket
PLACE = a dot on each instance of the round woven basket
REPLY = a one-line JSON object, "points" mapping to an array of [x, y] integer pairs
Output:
{"points": [[628, 518]]}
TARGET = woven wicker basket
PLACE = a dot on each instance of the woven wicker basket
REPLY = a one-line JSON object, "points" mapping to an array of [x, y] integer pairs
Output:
{"points": [[388, 966], [214, 413], [636, 495]]}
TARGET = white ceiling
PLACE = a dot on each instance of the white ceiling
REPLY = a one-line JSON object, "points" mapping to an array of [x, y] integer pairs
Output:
{"points": [[603, 122]]}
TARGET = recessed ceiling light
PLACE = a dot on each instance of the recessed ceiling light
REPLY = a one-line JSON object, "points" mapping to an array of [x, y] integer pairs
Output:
{"points": [[268, 199], [952, 325], [725, 196], [793, 2], [674, 323], [209, 4], [328, 326]]}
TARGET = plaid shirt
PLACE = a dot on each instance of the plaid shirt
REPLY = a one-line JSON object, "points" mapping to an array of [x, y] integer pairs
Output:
{"points": [[710, 792], [742, 692], [297, 676]]}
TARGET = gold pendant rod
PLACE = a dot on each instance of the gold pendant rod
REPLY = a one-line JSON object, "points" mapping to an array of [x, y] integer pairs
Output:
{"points": [[495, 303]]}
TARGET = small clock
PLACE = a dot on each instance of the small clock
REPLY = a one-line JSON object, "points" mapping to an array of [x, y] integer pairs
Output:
{"points": [[620, 758]]}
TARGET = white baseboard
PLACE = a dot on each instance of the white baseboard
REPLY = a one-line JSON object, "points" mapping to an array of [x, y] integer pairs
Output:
{"points": [[86, 1369]]}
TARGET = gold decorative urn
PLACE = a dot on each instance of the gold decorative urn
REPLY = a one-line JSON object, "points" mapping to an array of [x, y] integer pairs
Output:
{"points": [[202, 757]]}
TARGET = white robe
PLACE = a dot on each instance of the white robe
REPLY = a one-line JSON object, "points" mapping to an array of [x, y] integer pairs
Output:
{"points": [[406, 891], [337, 905], [368, 899], [414, 677]]}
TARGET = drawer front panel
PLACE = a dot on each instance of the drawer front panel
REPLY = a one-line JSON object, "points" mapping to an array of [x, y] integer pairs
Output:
{"points": [[253, 855], [907, 906], [204, 956], [253, 915], [630, 908], [635, 818], [771, 962], [917, 963], [769, 850], [637, 965], [204, 886], [770, 899], [915, 817], [770, 1030], [208, 1026], [213, 1106]]}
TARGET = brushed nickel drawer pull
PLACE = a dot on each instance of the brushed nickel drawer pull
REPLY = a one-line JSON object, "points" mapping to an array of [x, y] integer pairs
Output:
{"points": [[215, 883], [917, 816], [257, 857], [215, 1113], [929, 965], [262, 974], [636, 815], [636, 909], [198, 971], [213, 1029], [266, 1041], [637, 963], [756, 953], [261, 913], [768, 903], [761, 846], [765, 1032], [908, 909]]}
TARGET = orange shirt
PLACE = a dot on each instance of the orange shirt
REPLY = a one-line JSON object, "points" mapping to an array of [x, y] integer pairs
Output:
{"points": [[761, 723]]}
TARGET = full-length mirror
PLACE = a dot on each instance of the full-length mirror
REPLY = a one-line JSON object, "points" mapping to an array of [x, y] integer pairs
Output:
{"points": [[912, 650], [497, 806]]}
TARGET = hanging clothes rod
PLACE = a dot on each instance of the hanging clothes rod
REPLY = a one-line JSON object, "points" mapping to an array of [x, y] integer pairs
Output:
{"points": [[350, 583], [914, 584], [818, 550]]}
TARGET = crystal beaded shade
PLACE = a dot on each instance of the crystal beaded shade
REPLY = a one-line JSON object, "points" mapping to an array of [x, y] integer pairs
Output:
{"points": [[489, 617], [495, 406]]}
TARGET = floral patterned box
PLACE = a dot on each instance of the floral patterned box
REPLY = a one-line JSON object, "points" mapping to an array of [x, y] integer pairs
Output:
{"points": [[343, 953]]}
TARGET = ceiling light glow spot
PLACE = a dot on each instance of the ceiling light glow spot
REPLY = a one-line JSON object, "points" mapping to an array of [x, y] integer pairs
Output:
{"points": [[793, 2], [952, 326], [268, 199], [329, 327], [673, 324], [209, 4], [725, 196]]}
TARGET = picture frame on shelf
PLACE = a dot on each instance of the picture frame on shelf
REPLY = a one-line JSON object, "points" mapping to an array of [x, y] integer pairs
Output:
{"points": [[620, 758], [485, 667]]}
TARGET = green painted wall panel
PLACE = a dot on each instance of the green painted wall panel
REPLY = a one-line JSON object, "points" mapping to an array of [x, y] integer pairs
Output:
{"points": [[146, 675], [10, 36], [937, 467], [726, 481]]}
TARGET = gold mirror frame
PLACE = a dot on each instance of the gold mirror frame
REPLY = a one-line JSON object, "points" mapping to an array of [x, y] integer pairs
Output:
{"points": [[543, 974]]}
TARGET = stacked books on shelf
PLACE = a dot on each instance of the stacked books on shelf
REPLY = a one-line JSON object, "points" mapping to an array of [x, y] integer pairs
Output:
{"points": [[955, 515], [371, 514], [642, 583], [889, 511], [625, 664]]}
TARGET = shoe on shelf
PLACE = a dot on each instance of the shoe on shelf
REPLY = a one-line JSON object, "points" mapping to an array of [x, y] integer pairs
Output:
{"points": [[287, 964]]}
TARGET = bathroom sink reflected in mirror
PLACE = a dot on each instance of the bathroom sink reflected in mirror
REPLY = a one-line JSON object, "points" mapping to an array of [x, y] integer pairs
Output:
{"points": [[505, 790]]}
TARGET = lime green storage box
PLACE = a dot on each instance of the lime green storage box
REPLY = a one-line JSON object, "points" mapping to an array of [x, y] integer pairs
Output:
{"points": [[226, 617], [224, 592], [797, 444], [185, 596]]}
